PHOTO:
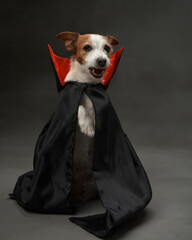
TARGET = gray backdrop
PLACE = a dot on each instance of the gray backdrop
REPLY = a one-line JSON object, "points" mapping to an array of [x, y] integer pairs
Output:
{"points": [[151, 92]]}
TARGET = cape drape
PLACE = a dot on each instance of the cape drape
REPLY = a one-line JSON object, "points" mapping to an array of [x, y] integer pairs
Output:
{"points": [[122, 183]]}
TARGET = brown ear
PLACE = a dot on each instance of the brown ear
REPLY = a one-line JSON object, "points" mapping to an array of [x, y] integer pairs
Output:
{"points": [[69, 39], [112, 40]]}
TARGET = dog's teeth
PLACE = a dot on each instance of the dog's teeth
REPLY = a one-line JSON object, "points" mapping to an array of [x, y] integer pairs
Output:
{"points": [[97, 72]]}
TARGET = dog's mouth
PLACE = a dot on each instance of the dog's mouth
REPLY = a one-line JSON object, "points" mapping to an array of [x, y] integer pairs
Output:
{"points": [[97, 72]]}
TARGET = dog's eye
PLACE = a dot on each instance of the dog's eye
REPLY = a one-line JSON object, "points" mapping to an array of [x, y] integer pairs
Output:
{"points": [[107, 48], [87, 48]]}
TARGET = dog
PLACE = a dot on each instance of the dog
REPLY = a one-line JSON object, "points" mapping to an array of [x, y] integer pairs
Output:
{"points": [[90, 58]]}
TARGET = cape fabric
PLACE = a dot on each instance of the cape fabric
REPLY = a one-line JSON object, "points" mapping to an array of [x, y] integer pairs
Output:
{"points": [[121, 180]]}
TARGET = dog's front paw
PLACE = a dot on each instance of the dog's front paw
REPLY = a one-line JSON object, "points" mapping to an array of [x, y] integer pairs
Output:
{"points": [[86, 124], [87, 129], [90, 131]]}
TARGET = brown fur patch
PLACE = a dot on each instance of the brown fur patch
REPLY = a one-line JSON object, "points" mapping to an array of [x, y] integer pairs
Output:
{"points": [[109, 44], [75, 42], [69, 39], [112, 40], [81, 42]]}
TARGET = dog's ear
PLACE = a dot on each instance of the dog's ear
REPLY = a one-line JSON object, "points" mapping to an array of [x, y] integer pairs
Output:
{"points": [[69, 39], [112, 40]]}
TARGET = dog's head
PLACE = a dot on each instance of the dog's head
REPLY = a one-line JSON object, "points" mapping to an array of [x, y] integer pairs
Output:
{"points": [[91, 51]]}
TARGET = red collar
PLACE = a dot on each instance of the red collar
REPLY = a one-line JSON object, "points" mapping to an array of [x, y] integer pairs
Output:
{"points": [[62, 66]]}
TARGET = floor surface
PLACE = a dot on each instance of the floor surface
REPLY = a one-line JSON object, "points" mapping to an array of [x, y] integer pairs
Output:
{"points": [[168, 216]]}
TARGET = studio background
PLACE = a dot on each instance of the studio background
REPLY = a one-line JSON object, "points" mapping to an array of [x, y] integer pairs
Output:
{"points": [[151, 92]]}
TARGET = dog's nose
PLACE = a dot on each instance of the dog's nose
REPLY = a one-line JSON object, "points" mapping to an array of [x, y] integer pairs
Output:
{"points": [[101, 62]]}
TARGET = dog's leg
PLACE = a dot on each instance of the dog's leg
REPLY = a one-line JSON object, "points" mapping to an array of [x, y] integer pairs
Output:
{"points": [[85, 122], [86, 117]]}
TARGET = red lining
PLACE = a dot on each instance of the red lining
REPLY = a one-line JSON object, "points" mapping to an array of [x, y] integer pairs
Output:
{"points": [[62, 66]]}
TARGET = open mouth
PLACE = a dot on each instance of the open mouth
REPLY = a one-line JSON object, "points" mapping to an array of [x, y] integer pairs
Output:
{"points": [[97, 72]]}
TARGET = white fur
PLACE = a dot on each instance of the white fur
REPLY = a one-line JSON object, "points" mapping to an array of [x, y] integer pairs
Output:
{"points": [[80, 72], [83, 155], [98, 43]]}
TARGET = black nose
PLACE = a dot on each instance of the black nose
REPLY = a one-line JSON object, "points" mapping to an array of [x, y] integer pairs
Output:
{"points": [[101, 62]]}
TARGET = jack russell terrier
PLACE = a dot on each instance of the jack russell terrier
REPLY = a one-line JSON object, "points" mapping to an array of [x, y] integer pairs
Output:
{"points": [[90, 58]]}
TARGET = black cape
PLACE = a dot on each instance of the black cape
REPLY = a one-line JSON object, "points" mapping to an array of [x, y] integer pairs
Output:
{"points": [[121, 180]]}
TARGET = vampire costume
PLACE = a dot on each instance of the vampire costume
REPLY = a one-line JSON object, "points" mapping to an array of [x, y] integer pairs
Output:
{"points": [[121, 180]]}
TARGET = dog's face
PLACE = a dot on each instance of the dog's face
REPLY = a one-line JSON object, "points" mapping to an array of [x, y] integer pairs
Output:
{"points": [[92, 51]]}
